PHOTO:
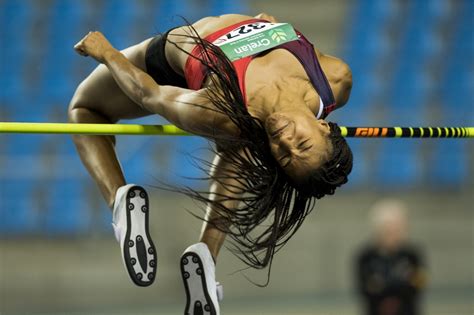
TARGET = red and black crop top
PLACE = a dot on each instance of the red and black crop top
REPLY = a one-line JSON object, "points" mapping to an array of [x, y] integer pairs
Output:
{"points": [[195, 72]]}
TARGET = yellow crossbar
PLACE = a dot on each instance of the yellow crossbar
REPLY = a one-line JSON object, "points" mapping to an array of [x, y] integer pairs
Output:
{"points": [[170, 130]]}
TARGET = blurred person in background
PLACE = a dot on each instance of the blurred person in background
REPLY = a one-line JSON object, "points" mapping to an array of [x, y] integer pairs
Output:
{"points": [[390, 271]]}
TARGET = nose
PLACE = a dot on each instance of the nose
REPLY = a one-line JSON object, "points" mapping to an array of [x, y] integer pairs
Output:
{"points": [[285, 145]]}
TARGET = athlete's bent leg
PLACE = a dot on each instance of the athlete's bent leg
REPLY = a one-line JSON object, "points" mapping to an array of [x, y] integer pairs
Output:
{"points": [[198, 262], [100, 100], [213, 238], [129, 202], [198, 270], [98, 153]]}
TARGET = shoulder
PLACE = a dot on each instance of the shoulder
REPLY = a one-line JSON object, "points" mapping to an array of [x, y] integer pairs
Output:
{"points": [[339, 76], [335, 68]]}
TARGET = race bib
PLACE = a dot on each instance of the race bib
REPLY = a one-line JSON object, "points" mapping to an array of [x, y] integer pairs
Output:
{"points": [[253, 38]]}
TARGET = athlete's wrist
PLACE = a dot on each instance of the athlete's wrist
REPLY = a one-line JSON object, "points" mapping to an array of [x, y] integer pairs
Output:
{"points": [[110, 55]]}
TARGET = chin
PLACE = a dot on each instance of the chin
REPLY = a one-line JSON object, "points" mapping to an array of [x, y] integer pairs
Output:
{"points": [[272, 119]]}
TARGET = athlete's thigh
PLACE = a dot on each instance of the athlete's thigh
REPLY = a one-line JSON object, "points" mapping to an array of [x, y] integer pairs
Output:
{"points": [[99, 91]]}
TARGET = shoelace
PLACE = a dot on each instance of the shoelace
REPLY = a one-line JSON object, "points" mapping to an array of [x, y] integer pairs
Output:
{"points": [[220, 291]]}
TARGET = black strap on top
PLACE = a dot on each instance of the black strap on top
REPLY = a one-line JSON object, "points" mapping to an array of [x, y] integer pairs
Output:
{"points": [[158, 66]]}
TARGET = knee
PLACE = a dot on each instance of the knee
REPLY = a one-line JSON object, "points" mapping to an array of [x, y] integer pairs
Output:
{"points": [[80, 112], [77, 110], [76, 115], [82, 109], [83, 115]]}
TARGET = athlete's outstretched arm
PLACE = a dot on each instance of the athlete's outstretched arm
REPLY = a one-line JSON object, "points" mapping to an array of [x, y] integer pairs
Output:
{"points": [[188, 109]]}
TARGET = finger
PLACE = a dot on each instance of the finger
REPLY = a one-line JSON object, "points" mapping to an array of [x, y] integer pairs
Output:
{"points": [[81, 42], [80, 50]]}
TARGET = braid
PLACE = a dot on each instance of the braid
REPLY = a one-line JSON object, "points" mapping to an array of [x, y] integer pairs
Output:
{"points": [[268, 194]]}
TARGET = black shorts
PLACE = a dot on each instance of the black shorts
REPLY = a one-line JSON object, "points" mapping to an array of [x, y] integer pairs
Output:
{"points": [[157, 65]]}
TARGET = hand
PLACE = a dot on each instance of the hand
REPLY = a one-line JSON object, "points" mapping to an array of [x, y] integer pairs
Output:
{"points": [[95, 45], [268, 17]]}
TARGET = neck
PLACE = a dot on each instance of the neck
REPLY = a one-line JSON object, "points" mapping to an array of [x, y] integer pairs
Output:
{"points": [[273, 97]]}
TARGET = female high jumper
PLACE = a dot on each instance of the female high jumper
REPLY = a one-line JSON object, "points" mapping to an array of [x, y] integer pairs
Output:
{"points": [[256, 88]]}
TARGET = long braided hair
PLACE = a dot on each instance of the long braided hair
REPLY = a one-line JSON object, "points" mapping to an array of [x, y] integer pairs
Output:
{"points": [[272, 207]]}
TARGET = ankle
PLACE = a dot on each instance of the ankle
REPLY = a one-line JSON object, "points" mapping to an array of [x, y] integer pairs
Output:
{"points": [[112, 196], [214, 259]]}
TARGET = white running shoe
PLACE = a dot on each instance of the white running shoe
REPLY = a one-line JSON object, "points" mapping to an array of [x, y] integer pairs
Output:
{"points": [[130, 222], [198, 270]]}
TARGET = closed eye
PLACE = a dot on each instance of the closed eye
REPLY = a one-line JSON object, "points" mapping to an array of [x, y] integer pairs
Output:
{"points": [[285, 161], [307, 148], [301, 145], [304, 146]]}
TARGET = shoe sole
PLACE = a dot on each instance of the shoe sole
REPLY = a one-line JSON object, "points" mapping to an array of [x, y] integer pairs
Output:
{"points": [[138, 249], [198, 300]]}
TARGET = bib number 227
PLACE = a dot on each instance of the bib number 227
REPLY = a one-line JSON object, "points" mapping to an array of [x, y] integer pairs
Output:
{"points": [[245, 29]]}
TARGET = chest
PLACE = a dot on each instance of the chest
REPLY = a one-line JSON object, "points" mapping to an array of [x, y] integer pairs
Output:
{"points": [[398, 266], [279, 77]]}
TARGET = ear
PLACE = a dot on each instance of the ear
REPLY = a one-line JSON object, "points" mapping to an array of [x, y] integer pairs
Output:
{"points": [[324, 127]]}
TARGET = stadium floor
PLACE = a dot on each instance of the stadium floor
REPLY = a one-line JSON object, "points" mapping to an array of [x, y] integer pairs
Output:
{"points": [[292, 306]]}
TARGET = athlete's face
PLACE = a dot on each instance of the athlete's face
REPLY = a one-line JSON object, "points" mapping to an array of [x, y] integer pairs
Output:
{"points": [[298, 141]]}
